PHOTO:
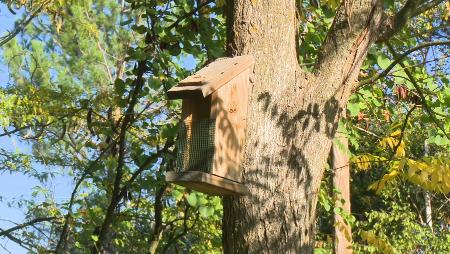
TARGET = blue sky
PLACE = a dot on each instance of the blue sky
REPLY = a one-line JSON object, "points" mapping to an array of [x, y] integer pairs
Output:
{"points": [[10, 185], [14, 186]]}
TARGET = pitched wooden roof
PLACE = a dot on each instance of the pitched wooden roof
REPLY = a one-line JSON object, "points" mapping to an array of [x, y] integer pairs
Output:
{"points": [[211, 77]]}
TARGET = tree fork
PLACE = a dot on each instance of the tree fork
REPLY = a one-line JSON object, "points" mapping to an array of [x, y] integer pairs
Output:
{"points": [[292, 119]]}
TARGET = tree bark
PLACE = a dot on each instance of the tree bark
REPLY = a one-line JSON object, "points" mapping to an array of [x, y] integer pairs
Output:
{"points": [[341, 183], [427, 197], [292, 119]]}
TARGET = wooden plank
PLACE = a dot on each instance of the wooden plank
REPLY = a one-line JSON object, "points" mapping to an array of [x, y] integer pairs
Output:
{"points": [[193, 80], [229, 108], [220, 72], [178, 92], [210, 78], [206, 183]]}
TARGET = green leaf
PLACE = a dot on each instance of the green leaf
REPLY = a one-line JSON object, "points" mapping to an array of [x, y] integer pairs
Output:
{"points": [[126, 22], [383, 61], [154, 83], [94, 238], [192, 199], [353, 108], [139, 29], [177, 195], [169, 131], [206, 211]]}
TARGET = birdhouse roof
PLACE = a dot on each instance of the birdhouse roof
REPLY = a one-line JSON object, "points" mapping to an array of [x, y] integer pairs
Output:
{"points": [[211, 77]]}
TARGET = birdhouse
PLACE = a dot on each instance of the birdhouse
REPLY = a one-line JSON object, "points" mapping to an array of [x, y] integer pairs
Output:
{"points": [[212, 131]]}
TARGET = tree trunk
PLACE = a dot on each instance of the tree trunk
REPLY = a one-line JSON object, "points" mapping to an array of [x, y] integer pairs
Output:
{"points": [[341, 183], [292, 119], [427, 197]]}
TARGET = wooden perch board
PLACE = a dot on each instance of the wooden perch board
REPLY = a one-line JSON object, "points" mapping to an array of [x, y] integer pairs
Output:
{"points": [[206, 183]]}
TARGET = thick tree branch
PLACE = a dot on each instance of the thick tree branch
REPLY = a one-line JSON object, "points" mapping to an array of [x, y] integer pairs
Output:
{"points": [[346, 45], [128, 118], [158, 228], [419, 91]]}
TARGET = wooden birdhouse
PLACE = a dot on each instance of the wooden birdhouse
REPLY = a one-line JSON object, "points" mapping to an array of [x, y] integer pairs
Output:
{"points": [[212, 131]]}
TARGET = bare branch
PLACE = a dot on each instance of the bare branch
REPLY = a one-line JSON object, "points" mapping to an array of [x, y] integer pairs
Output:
{"points": [[18, 241]]}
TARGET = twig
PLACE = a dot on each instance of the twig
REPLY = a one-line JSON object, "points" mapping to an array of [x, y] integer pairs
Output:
{"points": [[26, 224], [411, 9], [18, 241], [366, 131], [402, 133], [143, 167]]}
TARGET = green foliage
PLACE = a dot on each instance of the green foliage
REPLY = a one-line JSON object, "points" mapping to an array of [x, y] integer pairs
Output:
{"points": [[390, 169], [87, 88]]}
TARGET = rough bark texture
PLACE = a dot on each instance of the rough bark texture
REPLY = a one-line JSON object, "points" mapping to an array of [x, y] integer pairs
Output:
{"points": [[341, 183], [291, 120]]}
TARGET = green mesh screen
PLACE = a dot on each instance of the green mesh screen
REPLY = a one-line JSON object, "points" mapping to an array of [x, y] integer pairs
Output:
{"points": [[195, 151]]}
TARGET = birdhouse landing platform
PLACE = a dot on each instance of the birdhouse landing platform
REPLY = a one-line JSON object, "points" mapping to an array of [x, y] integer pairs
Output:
{"points": [[212, 131], [206, 183]]}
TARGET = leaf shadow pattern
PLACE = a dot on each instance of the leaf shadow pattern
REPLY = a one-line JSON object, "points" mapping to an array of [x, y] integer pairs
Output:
{"points": [[282, 178]]}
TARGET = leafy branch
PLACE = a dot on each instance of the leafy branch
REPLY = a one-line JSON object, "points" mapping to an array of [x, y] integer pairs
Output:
{"points": [[26, 224], [398, 59], [411, 9], [18, 28], [60, 246], [189, 14], [418, 89]]}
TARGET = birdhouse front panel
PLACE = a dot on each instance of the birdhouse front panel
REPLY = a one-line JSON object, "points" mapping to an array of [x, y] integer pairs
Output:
{"points": [[229, 109]]}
